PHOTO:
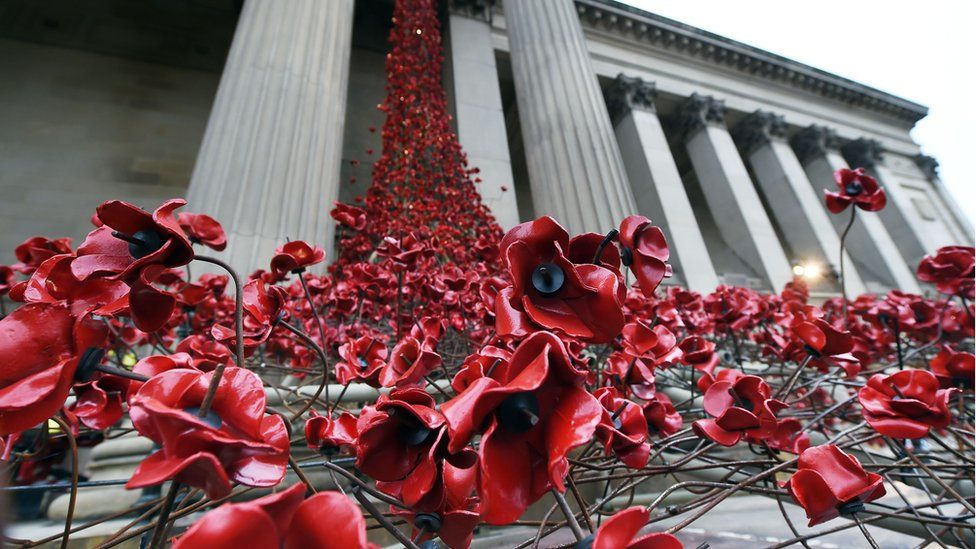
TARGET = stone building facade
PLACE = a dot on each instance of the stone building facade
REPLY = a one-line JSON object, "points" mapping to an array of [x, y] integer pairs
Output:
{"points": [[260, 113]]}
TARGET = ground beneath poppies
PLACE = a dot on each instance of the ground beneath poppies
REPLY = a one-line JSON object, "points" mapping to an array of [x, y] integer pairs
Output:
{"points": [[746, 521]]}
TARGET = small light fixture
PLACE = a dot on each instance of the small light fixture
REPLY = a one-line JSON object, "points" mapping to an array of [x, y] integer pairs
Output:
{"points": [[808, 270]]}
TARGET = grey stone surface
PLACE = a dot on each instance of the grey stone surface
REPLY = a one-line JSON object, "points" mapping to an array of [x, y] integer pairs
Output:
{"points": [[730, 194], [575, 169], [269, 164], [868, 243], [79, 128], [657, 185], [792, 200], [479, 115]]}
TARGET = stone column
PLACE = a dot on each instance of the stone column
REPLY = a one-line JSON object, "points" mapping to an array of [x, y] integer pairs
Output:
{"points": [[478, 107], [268, 168], [574, 165], [804, 223], [655, 181], [930, 167], [868, 243], [728, 189], [899, 216]]}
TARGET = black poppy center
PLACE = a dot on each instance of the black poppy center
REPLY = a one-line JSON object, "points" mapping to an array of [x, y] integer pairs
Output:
{"points": [[626, 256], [853, 188], [87, 363], [741, 401], [212, 418], [548, 279], [142, 243], [850, 507], [410, 430], [811, 351], [362, 363], [585, 543], [428, 522], [518, 412]]}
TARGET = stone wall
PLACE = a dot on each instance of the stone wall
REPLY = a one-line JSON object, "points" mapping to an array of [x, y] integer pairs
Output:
{"points": [[79, 128]]}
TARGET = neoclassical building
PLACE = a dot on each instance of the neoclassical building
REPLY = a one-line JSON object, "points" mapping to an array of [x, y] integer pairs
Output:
{"points": [[261, 113]]}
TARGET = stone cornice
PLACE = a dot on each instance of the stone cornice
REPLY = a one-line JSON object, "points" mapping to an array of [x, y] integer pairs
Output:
{"points": [[477, 9], [642, 27], [629, 93], [863, 153], [699, 111], [757, 129], [814, 141], [928, 164]]}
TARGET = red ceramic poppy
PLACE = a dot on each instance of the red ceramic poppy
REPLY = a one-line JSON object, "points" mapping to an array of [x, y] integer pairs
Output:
{"points": [[205, 354], [699, 353], [263, 307], [855, 187], [633, 374], [294, 257], [98, 403], [153, 365], [41, 346], [662, 418], [550, 292], [203, 229], [7, 279], [645, 251], [130, 239], [826, 346], [236, 441], [622, 429], [150, 307], [349, 216], [284, 520], [36, 250], [905, 404], [53, 283], [328, 434], [410, 361], [951, 269], [622, 531], [954, 367], [457, 516], [741, 409], [536, 411], [362, 360], [829, 483], [788, 437]]}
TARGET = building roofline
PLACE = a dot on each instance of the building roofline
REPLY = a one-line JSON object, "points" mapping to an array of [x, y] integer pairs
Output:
{"points": [[644, 27]]}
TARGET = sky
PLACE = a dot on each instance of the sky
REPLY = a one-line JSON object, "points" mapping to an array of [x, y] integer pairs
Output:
{"points": [[921, 51]]}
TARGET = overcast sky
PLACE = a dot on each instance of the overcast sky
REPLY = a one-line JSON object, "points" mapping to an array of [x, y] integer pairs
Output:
{"points": [[922, 51]]}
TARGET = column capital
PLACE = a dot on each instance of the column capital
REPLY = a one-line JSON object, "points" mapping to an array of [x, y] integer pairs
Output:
{"points": [[476, 9], [757, 129], [697, 112], [863, 152], [928, 164], [814, 141], [630, 93]]}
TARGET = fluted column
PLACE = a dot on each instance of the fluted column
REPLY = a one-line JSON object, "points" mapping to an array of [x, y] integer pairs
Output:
{"points": [[871, 247], [959, 222], [574, 165], [268, 168], [478, 107], [655, 180], [728, 189], [804, 223], [899, 216]]}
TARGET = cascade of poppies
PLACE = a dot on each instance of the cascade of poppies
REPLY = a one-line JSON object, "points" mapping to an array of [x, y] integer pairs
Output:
{"points": [[421, 184]]}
